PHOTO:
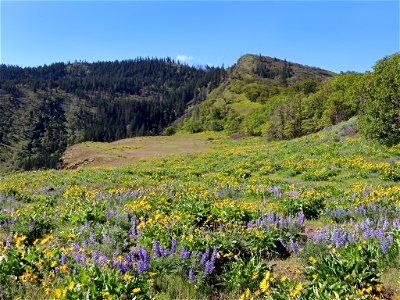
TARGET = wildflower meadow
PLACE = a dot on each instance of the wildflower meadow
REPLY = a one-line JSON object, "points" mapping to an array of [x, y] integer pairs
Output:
{"points": [[312, 218]]}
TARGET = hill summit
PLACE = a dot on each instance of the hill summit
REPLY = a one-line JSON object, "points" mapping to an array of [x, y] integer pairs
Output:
{"points": [[277, 69], [275, 98]]}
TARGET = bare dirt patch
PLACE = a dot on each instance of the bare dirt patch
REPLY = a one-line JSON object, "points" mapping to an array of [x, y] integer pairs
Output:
{"points": [[127, 151]]}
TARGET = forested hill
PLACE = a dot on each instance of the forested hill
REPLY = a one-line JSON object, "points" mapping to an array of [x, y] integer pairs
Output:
{"points": [[277, 99], [44, 109]]}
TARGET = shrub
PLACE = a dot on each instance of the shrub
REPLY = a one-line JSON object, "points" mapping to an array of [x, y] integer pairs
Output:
{"points": [[381, 116]]}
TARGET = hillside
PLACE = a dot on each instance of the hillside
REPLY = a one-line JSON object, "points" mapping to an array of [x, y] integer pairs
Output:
{"points": [[277, 99], [244, 219], [253, 82], [47, 108]]}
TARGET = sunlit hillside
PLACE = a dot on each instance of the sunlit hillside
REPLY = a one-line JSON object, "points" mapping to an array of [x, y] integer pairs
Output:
{"points": [[244, 219]]}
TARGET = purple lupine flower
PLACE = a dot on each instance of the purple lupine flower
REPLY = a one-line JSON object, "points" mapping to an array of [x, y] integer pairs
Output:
{"points": [[184, 253], [163, 251], [102, 260], [191, 275], [156, 248], [300, 219], [132, 231], [271, 218], [144, 260], [95, 255], [106, 239], [214, 254], [5, 224], [277, 192], [396, 223], [209, 268], [91, 239], [126, 216], [63, 258], [141, 267], [173, 246], [386, 224], [379, 233], [77, 258], [283, 243], [390, 238], [81, 230], [281, 222], [366, 192], [295, 246], [384, 246], [9, 239], [83, 258], [288, 221], [205, 256], [294, 193]]}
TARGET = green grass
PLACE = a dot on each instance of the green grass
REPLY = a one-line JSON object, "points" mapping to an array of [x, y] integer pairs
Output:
{"points": [[203, 190]]}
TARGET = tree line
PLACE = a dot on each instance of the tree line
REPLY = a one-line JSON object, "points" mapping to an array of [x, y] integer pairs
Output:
{"points": [[47, 108]]}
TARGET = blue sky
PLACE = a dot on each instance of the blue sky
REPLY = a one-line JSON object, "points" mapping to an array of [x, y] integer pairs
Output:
{"points": [[336, 35]]}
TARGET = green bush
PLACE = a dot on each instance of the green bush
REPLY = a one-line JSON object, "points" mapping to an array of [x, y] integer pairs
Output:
{"points": [[381, 115]]}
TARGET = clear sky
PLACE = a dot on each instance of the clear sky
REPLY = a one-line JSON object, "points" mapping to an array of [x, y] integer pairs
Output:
{"points": [[336, 35]]}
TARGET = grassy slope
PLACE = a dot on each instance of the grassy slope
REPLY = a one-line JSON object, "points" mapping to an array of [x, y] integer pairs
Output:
{"points": [[242, 74], [333, 164], [351, 158]]}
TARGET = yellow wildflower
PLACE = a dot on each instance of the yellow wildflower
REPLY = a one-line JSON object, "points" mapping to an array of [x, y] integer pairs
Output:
{"points": [[378, 287], [127, 277], [255, 275], [52, 276], [247, 293], [296, 290], [57, 293], [264, 285], [63, 269]]}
